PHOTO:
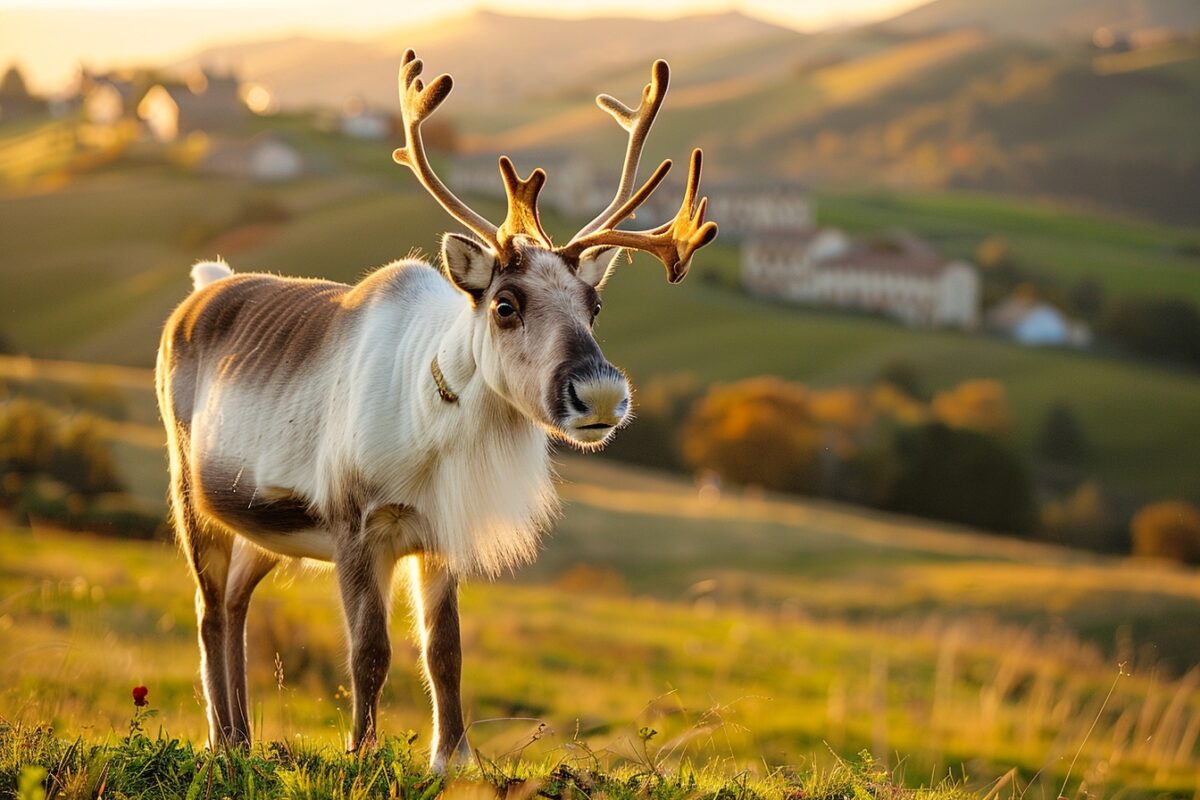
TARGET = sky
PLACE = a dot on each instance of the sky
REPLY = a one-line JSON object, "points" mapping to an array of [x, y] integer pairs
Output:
{"points": [[49, 39]]}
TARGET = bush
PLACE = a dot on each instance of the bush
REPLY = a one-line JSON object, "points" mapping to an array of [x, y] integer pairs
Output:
{"points": [[962, 476], [757, 432], [81, 457], [980, 405], [1167, 328], [1061, 438], [1168, 529]]}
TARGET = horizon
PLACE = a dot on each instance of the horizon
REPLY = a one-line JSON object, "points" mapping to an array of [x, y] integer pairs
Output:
{"points": [[115, 34]]}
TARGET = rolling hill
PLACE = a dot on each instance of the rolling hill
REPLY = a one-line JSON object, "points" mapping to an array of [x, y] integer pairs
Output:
{"points": [[1043, 21], [496, 59]]}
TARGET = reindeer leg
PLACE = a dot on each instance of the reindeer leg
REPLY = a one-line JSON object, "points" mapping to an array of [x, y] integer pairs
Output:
{"points": [[249, 566], [364, 577], [208, 553], [435, 609]]}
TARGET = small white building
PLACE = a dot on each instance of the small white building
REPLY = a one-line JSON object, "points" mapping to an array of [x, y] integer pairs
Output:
{"points": [[572, 186], [1035, 323], [901, 277], [265, 158], [360, 121], [745, 207]]}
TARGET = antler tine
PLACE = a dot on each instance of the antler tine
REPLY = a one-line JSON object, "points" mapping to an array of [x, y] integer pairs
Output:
{"points": [[673, 243], [637, 123], [523, 217], [417, 102]]}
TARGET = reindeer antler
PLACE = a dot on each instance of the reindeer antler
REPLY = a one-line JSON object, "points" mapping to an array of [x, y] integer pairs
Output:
{"points": [[673, 243], [637, 124], [416, 103], [522, 218]]}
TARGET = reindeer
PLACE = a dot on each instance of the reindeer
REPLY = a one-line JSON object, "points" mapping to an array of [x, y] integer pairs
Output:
{"points": [[405, 418]]}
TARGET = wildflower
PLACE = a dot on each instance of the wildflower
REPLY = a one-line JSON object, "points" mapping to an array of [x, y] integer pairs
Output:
{"points": [[139, 696]]}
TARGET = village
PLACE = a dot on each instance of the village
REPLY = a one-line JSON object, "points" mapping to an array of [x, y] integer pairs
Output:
{"points": [[200, 121]]}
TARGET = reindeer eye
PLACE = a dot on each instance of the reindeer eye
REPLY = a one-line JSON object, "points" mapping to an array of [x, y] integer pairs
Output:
{"points": [[596, 309], [506, 308]]}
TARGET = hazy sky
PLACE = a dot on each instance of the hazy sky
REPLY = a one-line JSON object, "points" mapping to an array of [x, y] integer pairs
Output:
{"points": [[50, 38]]}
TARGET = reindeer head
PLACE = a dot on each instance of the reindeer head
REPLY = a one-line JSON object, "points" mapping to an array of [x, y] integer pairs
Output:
{"points": [[534, 303]]}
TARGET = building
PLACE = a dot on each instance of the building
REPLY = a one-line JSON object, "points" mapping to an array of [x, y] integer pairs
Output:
{"points": [[900, 276], [206, 102], [265, 158], [572, 187], [745, 207], [1035, 323], [360, 121], [108, 98]]}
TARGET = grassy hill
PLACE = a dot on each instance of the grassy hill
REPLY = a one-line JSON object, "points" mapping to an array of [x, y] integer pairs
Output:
{"points": [[1063, 19], [99, 288]]}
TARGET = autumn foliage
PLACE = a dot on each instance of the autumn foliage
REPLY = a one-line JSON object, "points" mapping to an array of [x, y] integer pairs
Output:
{"points": [[876, 445], [1168, 529]]}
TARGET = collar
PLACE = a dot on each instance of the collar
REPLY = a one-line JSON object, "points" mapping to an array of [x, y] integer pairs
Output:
{"points": [[440, 379]]}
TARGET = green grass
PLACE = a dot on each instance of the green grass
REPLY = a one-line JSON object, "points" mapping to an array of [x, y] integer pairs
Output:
{"points": [[36, 764], [1126, 256], [753, 634], [92, 271]]}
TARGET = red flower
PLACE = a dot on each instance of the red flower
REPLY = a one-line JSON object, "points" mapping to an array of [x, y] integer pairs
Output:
{"points": [[139, 696]]}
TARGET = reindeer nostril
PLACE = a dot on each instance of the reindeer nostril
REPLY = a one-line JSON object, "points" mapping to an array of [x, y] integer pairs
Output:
{"points": [[576, 402]]}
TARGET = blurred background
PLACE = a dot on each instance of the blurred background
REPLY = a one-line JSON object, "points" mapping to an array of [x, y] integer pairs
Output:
{"points": [[915, 466]]}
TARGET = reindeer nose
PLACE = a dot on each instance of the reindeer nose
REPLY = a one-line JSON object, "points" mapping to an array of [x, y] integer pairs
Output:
{"points": [[599, 400]]}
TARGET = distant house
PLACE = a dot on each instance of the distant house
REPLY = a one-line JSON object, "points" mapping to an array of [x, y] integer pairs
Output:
{"points": [[572, 188], [265, 158], [1035, 323], [359, 121], [108, 98], [207, 102], [745, 207], [901, 277]]}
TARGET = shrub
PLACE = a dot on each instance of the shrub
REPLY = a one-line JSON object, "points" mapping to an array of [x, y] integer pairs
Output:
{"points": [[980, 405], [1168, 529], [1061, 438], [962, 476], [758, 432]]}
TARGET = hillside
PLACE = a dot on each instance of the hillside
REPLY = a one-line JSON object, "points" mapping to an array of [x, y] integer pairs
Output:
{"points": [[479, 49], [102, 294], [1039, 20]]}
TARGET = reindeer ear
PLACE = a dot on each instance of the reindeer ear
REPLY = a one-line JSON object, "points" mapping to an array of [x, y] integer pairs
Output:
{"points": [[595, 264], [469, 264]]}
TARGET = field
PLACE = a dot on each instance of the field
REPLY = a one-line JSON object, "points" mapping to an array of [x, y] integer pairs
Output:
{"points": [[91, 272], [749, 630]]}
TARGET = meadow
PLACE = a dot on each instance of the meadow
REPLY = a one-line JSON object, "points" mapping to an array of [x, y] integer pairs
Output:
{"points": [[761, 643], [91, 272], [750, 632]]}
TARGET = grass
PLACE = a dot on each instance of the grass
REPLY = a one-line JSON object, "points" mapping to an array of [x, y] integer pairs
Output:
{"points": [[752, 634], [36, 764]]}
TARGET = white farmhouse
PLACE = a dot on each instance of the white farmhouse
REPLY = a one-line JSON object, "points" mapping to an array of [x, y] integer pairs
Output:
{"points": [[901, 277]]}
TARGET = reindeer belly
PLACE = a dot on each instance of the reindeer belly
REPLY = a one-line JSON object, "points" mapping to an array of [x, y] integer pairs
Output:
{"points": [[274, 518]]}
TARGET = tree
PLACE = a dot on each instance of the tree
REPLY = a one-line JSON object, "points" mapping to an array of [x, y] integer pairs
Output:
{"points": [[979, 404], [905, 376], [1168, 529], [1061, 439], [756, 432], [1166, 328], [962, 476], [12, 85]]}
